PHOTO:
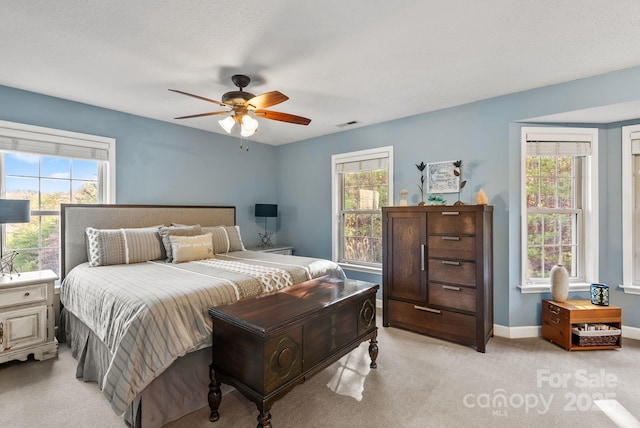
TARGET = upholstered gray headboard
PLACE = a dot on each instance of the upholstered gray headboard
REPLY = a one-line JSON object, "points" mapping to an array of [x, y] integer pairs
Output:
{"points": [[75, 218]]}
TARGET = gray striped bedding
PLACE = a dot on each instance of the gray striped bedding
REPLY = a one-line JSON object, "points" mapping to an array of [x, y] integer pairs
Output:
{"points": [[149, 314]]}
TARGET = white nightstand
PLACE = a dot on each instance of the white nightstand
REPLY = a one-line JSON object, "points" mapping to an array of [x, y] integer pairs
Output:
{"points": [[27, 316], [277, 249]]}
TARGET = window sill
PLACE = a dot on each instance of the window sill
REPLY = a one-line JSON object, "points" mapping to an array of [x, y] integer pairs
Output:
{"points": [[361, 268], [631, 289], [546, 288]]}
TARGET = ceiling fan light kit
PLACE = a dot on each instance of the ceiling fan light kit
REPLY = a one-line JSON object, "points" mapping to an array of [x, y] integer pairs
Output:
{"points": [[243, 104]]}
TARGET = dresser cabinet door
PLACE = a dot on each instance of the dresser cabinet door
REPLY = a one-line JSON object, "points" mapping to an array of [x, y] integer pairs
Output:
{"points": [[23, 327], [405, 267]]}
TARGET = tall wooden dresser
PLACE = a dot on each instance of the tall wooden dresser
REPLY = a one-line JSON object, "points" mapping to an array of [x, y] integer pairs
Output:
{"points": [[437, 274]]}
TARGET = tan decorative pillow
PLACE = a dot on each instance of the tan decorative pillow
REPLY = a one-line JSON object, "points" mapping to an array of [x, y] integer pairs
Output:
{"points": [[166, 232], [122, 246], [191, 248]]}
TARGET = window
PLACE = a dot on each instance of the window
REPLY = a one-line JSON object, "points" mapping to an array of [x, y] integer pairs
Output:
{"points": [[559, 222], [50, 167], [362, 185], [631, 209]]}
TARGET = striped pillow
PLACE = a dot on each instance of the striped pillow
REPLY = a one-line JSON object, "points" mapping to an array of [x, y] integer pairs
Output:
{"points": [[219, 238], [235, 240], [225, 238], [122, 246]]}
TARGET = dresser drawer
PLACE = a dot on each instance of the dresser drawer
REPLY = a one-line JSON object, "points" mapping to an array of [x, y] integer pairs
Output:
{"points": [[452, 271], [434, 322], [23, 295], [452, 247], [452, 222], [453, 297], [551, 310], [556, 329]]}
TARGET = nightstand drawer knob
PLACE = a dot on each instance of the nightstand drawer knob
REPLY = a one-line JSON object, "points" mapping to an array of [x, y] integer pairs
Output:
{"points": [[27, 294], [1, 333]]}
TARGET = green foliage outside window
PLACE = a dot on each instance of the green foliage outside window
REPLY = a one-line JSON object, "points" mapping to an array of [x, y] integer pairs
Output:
{"points": [[38, 242], [364, 194], [553, 214]]}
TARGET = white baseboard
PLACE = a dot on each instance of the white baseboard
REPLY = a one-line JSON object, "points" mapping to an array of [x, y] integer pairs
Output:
{"points": [[516, 332], [378, 303], [631, 332]]}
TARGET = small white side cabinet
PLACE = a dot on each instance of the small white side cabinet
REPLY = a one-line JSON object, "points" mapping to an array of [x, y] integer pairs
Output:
{"points": [[27, 316], [286, 250]]}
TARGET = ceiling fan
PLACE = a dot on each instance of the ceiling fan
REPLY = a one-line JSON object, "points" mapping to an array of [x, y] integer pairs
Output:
{"points": [[244, 106]]}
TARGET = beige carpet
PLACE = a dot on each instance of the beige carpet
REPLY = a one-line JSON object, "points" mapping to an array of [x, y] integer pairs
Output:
{"points": [[420, 382]]}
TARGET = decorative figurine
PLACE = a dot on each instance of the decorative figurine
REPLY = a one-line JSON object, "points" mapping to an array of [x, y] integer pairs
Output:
{"points": [[421, 168], [6, 264], [458, 173]]}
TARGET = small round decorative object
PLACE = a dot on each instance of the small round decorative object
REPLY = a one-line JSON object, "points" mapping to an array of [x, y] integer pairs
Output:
{"points": [[559, 283]]}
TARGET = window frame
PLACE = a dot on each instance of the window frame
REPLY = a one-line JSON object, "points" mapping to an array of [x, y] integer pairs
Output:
{"points": [[628, 203], [336, 195], [72, 141], [588, 250]]}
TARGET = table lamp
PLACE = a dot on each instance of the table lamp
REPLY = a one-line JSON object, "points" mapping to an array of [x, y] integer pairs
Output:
{"points": [[266, 211], [12, 211]]}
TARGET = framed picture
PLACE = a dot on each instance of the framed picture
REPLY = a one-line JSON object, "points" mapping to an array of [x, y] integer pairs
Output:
{"points": [[441, 178]]}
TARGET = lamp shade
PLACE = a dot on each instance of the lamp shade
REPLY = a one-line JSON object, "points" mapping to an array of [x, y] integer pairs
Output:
{"points": [[15, 211], [266, 210]]}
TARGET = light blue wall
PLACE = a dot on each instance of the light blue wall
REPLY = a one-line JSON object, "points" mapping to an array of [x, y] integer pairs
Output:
{"points": [[159, 162], [486, 136]]}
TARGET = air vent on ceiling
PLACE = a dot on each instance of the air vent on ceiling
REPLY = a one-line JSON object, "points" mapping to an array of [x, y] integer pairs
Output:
{"points": [[351, 122]]}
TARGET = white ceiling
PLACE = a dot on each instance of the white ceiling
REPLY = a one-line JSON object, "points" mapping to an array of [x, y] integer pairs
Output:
{"points": [[365, 60]]}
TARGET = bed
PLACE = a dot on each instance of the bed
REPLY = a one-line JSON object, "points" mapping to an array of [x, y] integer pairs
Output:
{"points": [[137, 282]]}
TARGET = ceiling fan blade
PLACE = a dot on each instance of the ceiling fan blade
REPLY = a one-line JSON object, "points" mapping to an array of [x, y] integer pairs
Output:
{"points": [[199, 97], [282, 117], [203, 114], [267, 99]]}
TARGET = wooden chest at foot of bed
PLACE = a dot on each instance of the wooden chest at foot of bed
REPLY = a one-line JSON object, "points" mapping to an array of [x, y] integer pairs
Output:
{"points": [[267, 345]]}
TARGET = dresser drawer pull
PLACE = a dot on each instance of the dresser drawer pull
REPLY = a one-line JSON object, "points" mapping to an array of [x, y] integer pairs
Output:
{"points": [[447, 262], [450, 213], [450, 238], [422, 308], [1, 333], [555, 320], [554, 311], [449, 287], [422, 248], [27, 294]]}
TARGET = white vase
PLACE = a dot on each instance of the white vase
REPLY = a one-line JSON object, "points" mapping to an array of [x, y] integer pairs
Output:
{"points": [[559, 283]]}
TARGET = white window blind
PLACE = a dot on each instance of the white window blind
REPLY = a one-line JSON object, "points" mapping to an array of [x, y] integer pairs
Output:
{"points": [[65, 149], [635, 143], [558, 148], [362, 165]]}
